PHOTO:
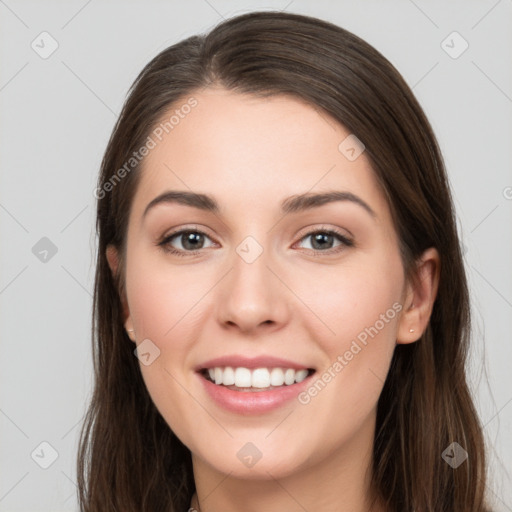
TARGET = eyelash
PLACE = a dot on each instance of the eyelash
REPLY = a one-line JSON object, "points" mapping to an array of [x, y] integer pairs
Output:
{"points": [[164, 244]]}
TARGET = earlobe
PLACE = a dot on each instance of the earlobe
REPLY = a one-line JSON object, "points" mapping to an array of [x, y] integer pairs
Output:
{"points": [[420, 298], [129, 329]]}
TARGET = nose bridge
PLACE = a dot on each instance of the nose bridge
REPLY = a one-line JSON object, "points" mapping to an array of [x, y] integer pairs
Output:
{"points": [[251, 294], [250, 279], [250, 263]]}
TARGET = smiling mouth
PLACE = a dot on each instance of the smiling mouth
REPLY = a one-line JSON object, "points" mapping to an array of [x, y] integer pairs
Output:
{"points": [[256, 379]]}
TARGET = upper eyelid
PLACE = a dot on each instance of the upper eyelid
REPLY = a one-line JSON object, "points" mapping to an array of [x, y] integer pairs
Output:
{"points": [[308, 230], [180, 231]]}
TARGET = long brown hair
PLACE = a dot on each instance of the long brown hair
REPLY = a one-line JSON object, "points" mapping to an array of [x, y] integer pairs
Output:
{"points": [[129, 459]]}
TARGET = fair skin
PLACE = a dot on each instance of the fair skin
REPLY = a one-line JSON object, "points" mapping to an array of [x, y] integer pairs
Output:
{"points": [[296, 301]]}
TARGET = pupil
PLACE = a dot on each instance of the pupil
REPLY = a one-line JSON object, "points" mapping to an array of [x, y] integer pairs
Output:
{"points": [[320, 239], [190, 238]]}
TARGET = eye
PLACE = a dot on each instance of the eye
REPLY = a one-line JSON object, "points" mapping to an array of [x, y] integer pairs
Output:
{"points": [[190, 240], [323, 240]]}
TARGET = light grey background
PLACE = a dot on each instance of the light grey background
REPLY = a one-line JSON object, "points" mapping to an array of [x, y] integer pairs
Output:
{"points": [[56, 116]]}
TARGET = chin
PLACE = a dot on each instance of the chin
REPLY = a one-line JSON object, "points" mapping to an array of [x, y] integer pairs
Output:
{"points": [[255, 461]]}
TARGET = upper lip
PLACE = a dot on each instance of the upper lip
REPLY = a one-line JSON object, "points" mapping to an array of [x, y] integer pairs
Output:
{"points": [[251, 362]]}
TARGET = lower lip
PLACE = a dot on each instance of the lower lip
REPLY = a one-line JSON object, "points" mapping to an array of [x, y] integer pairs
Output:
{"points": [[253, 402]]}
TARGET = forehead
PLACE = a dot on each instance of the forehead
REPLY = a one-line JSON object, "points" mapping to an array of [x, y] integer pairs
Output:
{"points": [[251, 152]]}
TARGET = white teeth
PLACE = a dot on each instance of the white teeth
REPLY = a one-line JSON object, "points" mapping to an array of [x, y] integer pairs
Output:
{"points": [[289, 376], [260, 378], [256, 378], [242, 378], [228, 378], [276, 377], [300, 375]]}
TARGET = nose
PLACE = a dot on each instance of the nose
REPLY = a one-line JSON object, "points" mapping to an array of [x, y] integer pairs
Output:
{"points": [[251, 296]]}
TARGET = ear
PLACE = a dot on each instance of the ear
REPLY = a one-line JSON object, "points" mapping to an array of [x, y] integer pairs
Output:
{"points": [[420, 297], [113, 262]]}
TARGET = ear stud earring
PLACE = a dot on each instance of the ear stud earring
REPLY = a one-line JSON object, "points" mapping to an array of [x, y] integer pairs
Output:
{"points": [[411, 330]]}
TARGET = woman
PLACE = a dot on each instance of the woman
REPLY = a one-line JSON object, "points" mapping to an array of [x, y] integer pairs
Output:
{"points": [[278, 249]]}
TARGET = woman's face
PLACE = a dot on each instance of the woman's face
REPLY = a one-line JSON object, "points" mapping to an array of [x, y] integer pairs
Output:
{"points": [[270, 292]]}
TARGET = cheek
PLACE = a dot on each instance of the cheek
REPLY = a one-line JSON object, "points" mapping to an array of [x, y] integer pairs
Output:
{"points": [[162, 298], [167, 306], [359, 308], [354, 300], [164, 305]]}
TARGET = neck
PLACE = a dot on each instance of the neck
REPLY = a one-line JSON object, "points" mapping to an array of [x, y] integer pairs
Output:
{"points": [[340, 483]]}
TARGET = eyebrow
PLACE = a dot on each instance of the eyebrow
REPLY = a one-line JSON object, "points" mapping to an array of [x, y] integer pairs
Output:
{"points": [[293, 204]]}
